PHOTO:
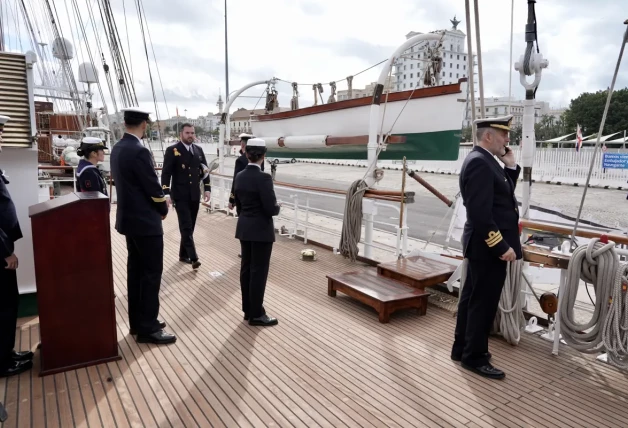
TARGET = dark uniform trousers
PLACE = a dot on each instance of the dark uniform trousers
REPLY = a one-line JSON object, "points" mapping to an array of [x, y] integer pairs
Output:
{"points": [[9, 298], [490, 230], [480, 296], [144, 269], [253, 275], [187, 211]]}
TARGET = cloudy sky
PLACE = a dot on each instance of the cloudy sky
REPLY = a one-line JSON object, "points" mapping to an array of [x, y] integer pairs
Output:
{"points": [[310, 41]]}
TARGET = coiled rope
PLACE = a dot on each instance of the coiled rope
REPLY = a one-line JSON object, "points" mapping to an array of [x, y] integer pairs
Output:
{"points": [[595, 263], [352, 224], [615, 333]]}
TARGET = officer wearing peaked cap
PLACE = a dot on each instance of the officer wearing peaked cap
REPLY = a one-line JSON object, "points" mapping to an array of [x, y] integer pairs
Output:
{"points": [[88, 177], [490, 240], [256, 205], [184, 168], [141, 208], [11, 362]]}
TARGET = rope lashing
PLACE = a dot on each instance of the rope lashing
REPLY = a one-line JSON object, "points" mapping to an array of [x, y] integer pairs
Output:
{"points": [[294, 102], [332, 97], [595, 263]]}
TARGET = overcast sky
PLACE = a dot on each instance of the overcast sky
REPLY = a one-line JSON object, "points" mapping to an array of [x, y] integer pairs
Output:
{"points": [[310, 41]]}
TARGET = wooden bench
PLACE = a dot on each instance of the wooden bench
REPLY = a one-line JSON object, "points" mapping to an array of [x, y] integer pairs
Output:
{"points": [[419, 271], [382, 294]]}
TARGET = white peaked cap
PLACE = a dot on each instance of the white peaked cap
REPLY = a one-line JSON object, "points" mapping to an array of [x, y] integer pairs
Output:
{"points": [[256, 142]]}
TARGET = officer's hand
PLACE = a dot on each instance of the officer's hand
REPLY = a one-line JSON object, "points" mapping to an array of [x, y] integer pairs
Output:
{"points": [[208, 196], [509, 158], [230, 206], [509, 256], [11, 262], [168, 201], [163, 217]]}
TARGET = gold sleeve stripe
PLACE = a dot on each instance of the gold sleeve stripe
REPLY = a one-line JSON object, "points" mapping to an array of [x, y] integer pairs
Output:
{"points": [[165, 187], [494, 238], [208, 185], [158, 199]]}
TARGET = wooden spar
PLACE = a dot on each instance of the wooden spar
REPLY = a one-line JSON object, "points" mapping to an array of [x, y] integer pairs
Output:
{"points": [[429, 187], [390, 195], [564, 230]]}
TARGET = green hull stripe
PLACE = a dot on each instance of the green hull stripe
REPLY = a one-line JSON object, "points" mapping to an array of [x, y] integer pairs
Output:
{"points": [[442, 145], [28, 305]]}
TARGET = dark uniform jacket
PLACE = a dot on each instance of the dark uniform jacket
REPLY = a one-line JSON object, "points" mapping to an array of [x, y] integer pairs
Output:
{"points": [[141, 201], [9, 225], [488, 193], [89, 178], [240, 164], [256, 205], [185, 172]]}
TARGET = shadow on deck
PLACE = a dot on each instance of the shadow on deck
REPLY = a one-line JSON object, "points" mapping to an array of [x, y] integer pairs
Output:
{"points": [[329, 362]]}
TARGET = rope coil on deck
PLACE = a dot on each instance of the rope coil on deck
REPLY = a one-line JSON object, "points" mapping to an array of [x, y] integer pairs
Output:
{"points": [[598, 264], [615, 332]]}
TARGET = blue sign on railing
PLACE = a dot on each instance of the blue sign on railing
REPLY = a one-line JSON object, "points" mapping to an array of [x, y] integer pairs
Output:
{"points": [[615, 160]]}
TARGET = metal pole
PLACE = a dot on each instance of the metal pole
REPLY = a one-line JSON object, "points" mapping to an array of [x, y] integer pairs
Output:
{"points": [[226, 56], [479, 48], [512, 15], [470, 73]]}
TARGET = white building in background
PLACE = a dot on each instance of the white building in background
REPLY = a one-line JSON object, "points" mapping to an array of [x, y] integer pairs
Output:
{"points": [[389, 86], [499, 106], [410, 67]]}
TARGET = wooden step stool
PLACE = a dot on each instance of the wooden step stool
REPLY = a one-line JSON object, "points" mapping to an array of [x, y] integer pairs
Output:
{"points": [[385, 295], [419, 271]]}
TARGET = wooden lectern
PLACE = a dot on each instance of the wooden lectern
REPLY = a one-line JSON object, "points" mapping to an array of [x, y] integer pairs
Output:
{"points": [[74, 274]]}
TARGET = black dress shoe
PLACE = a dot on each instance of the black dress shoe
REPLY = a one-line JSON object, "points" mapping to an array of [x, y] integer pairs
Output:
{"points": [[487, 371], [246, 317], [458, 358], [159, 338], [240, 255], [264, 321], [196, 264], [16, 368], [185, 260], [22, 356], [162, 325]]}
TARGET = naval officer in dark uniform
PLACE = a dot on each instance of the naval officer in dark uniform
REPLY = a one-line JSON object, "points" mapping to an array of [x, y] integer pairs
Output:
{"points": [[141, 208], [490, 240], [184, 168], [256, 205], [240, 163], [88, 177], [11, 362]]}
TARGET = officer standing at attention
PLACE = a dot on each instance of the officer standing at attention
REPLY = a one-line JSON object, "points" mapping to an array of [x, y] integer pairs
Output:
{"points": [[256, 205], [11, 362], [141, 208], [88, 177], [240, 163], [490, 240], [185, 165]]}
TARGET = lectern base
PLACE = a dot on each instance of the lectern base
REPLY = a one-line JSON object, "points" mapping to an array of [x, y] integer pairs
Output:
{"points": [[57, 370]]}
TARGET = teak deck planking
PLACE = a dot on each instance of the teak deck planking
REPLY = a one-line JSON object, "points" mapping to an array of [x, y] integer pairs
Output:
{"points": [[328, 363]]}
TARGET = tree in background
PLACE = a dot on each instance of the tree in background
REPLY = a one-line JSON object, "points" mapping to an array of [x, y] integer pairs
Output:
{"points": [[588, 109]]}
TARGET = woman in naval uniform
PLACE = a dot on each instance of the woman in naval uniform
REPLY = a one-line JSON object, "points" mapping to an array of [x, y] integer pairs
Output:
{"points": [[256, 205], [88, 176]]}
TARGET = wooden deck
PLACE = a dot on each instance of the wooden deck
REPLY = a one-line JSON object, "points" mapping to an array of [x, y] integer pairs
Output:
{"points": [[329, 362]]}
